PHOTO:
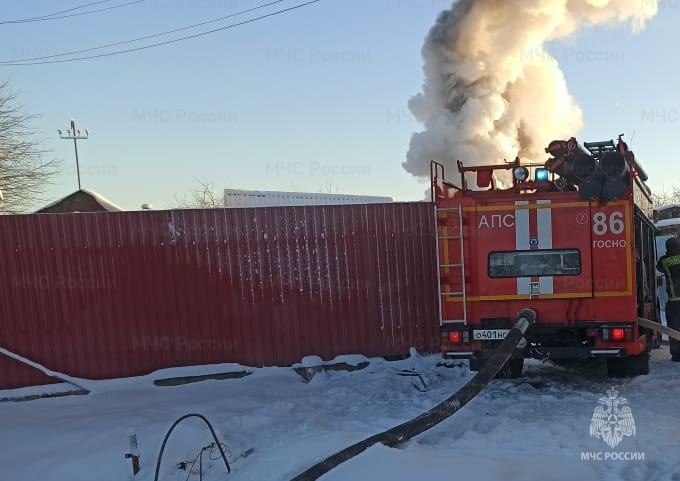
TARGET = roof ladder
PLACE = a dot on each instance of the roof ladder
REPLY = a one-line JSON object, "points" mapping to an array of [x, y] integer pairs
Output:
{"points": [[450, 245]]}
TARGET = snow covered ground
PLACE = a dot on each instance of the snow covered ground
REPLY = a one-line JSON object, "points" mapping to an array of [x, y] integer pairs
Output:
{"points": [[534, 428]]}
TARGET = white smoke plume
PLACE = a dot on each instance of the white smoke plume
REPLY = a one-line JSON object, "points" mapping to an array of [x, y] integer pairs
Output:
{"points": [[491, 91]]}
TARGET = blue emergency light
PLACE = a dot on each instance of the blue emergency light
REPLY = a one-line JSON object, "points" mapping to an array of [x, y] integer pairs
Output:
{"points": [[542, 175]]}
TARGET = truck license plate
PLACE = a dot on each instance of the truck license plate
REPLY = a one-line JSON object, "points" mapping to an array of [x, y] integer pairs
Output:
{"points": [[490, 334]]}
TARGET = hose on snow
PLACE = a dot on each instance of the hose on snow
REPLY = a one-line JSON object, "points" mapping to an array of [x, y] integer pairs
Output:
{"points": [[437, 414], [172, 428]]}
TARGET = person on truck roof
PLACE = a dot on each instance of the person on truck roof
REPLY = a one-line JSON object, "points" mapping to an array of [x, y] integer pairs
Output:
{"points": [[669, 265]]}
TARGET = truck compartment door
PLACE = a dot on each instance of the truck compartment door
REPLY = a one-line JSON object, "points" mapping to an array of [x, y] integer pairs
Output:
{"points": [[534, 249]]}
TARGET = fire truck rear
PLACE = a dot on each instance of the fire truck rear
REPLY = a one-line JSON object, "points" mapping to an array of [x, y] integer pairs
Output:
{"points": [[571, 239]]}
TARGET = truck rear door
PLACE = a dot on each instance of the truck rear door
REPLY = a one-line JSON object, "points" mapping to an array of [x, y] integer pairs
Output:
{"points": [[534, 249]]}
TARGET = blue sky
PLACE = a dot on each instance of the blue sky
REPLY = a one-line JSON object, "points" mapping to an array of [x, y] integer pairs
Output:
{"points": [[308, 101]]}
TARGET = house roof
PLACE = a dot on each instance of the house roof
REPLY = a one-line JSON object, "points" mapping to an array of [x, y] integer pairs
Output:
{"points": [[668, 223], [81, 201], [666, 207]]}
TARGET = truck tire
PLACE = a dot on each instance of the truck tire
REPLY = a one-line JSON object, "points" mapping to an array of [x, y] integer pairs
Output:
{"points": [[628, 366]]}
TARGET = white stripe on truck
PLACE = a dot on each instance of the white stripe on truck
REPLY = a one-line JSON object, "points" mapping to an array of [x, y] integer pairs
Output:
{"points": [[545, 241], [522, 237]]}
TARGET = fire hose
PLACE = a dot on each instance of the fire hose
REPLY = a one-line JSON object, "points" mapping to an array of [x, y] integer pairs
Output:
{"points": [[453, 404], [437, 414], [172, 428], [672, 333]]}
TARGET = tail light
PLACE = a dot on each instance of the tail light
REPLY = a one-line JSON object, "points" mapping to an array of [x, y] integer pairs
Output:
{"points": [[455, 337], [617, 334]]}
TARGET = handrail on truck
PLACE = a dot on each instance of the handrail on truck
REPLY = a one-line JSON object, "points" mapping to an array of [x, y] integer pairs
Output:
{"points": [[436, 180]]}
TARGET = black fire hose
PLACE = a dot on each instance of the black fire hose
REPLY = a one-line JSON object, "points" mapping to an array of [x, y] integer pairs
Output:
{"points": [[172, 428], [437, 414]]}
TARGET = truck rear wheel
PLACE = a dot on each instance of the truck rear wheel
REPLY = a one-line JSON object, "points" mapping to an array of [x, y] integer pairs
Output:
{"points": [[628, 366]]}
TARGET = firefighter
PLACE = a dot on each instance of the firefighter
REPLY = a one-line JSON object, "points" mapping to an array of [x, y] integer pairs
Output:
{"points": [[669, 265]]}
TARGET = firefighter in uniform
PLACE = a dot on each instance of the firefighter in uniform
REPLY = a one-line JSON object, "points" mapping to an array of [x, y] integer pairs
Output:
{"points": [[669, 265]]}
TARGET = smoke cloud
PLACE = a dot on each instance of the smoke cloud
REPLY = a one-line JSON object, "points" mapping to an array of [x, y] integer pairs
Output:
{"points": [[491, 91]]}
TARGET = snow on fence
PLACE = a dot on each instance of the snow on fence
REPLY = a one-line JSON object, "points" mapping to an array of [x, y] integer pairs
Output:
{"points": [[107, 295]]}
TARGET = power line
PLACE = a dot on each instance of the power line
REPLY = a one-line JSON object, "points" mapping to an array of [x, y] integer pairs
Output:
{"points": [[146, 37], [167, 42], [21, 20], [113, 7], [47, 18]]}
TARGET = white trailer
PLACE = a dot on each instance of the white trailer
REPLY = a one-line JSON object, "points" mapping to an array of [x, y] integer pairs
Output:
{"points": [[264, 198]]}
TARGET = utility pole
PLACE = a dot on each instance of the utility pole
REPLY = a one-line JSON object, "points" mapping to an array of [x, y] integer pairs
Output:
{"points": [[74, 134]]}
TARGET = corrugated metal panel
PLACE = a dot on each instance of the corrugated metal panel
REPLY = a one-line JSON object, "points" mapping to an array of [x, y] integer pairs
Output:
{"points": [[120, 294]]}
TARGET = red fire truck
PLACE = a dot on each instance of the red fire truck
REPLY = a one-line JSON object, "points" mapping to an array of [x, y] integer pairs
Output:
{"points": [[571, 239]]}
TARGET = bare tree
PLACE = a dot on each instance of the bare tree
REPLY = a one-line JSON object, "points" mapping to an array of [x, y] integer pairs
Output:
{"points": [[666, 198], [202, 197], [327, 187], [24, 171]]}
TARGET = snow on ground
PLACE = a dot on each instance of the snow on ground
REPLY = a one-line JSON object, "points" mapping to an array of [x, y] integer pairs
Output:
{"points": [[534, 428]]}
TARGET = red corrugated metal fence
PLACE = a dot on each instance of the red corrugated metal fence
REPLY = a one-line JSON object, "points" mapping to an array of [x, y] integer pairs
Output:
{"points": [[120, 294]]}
